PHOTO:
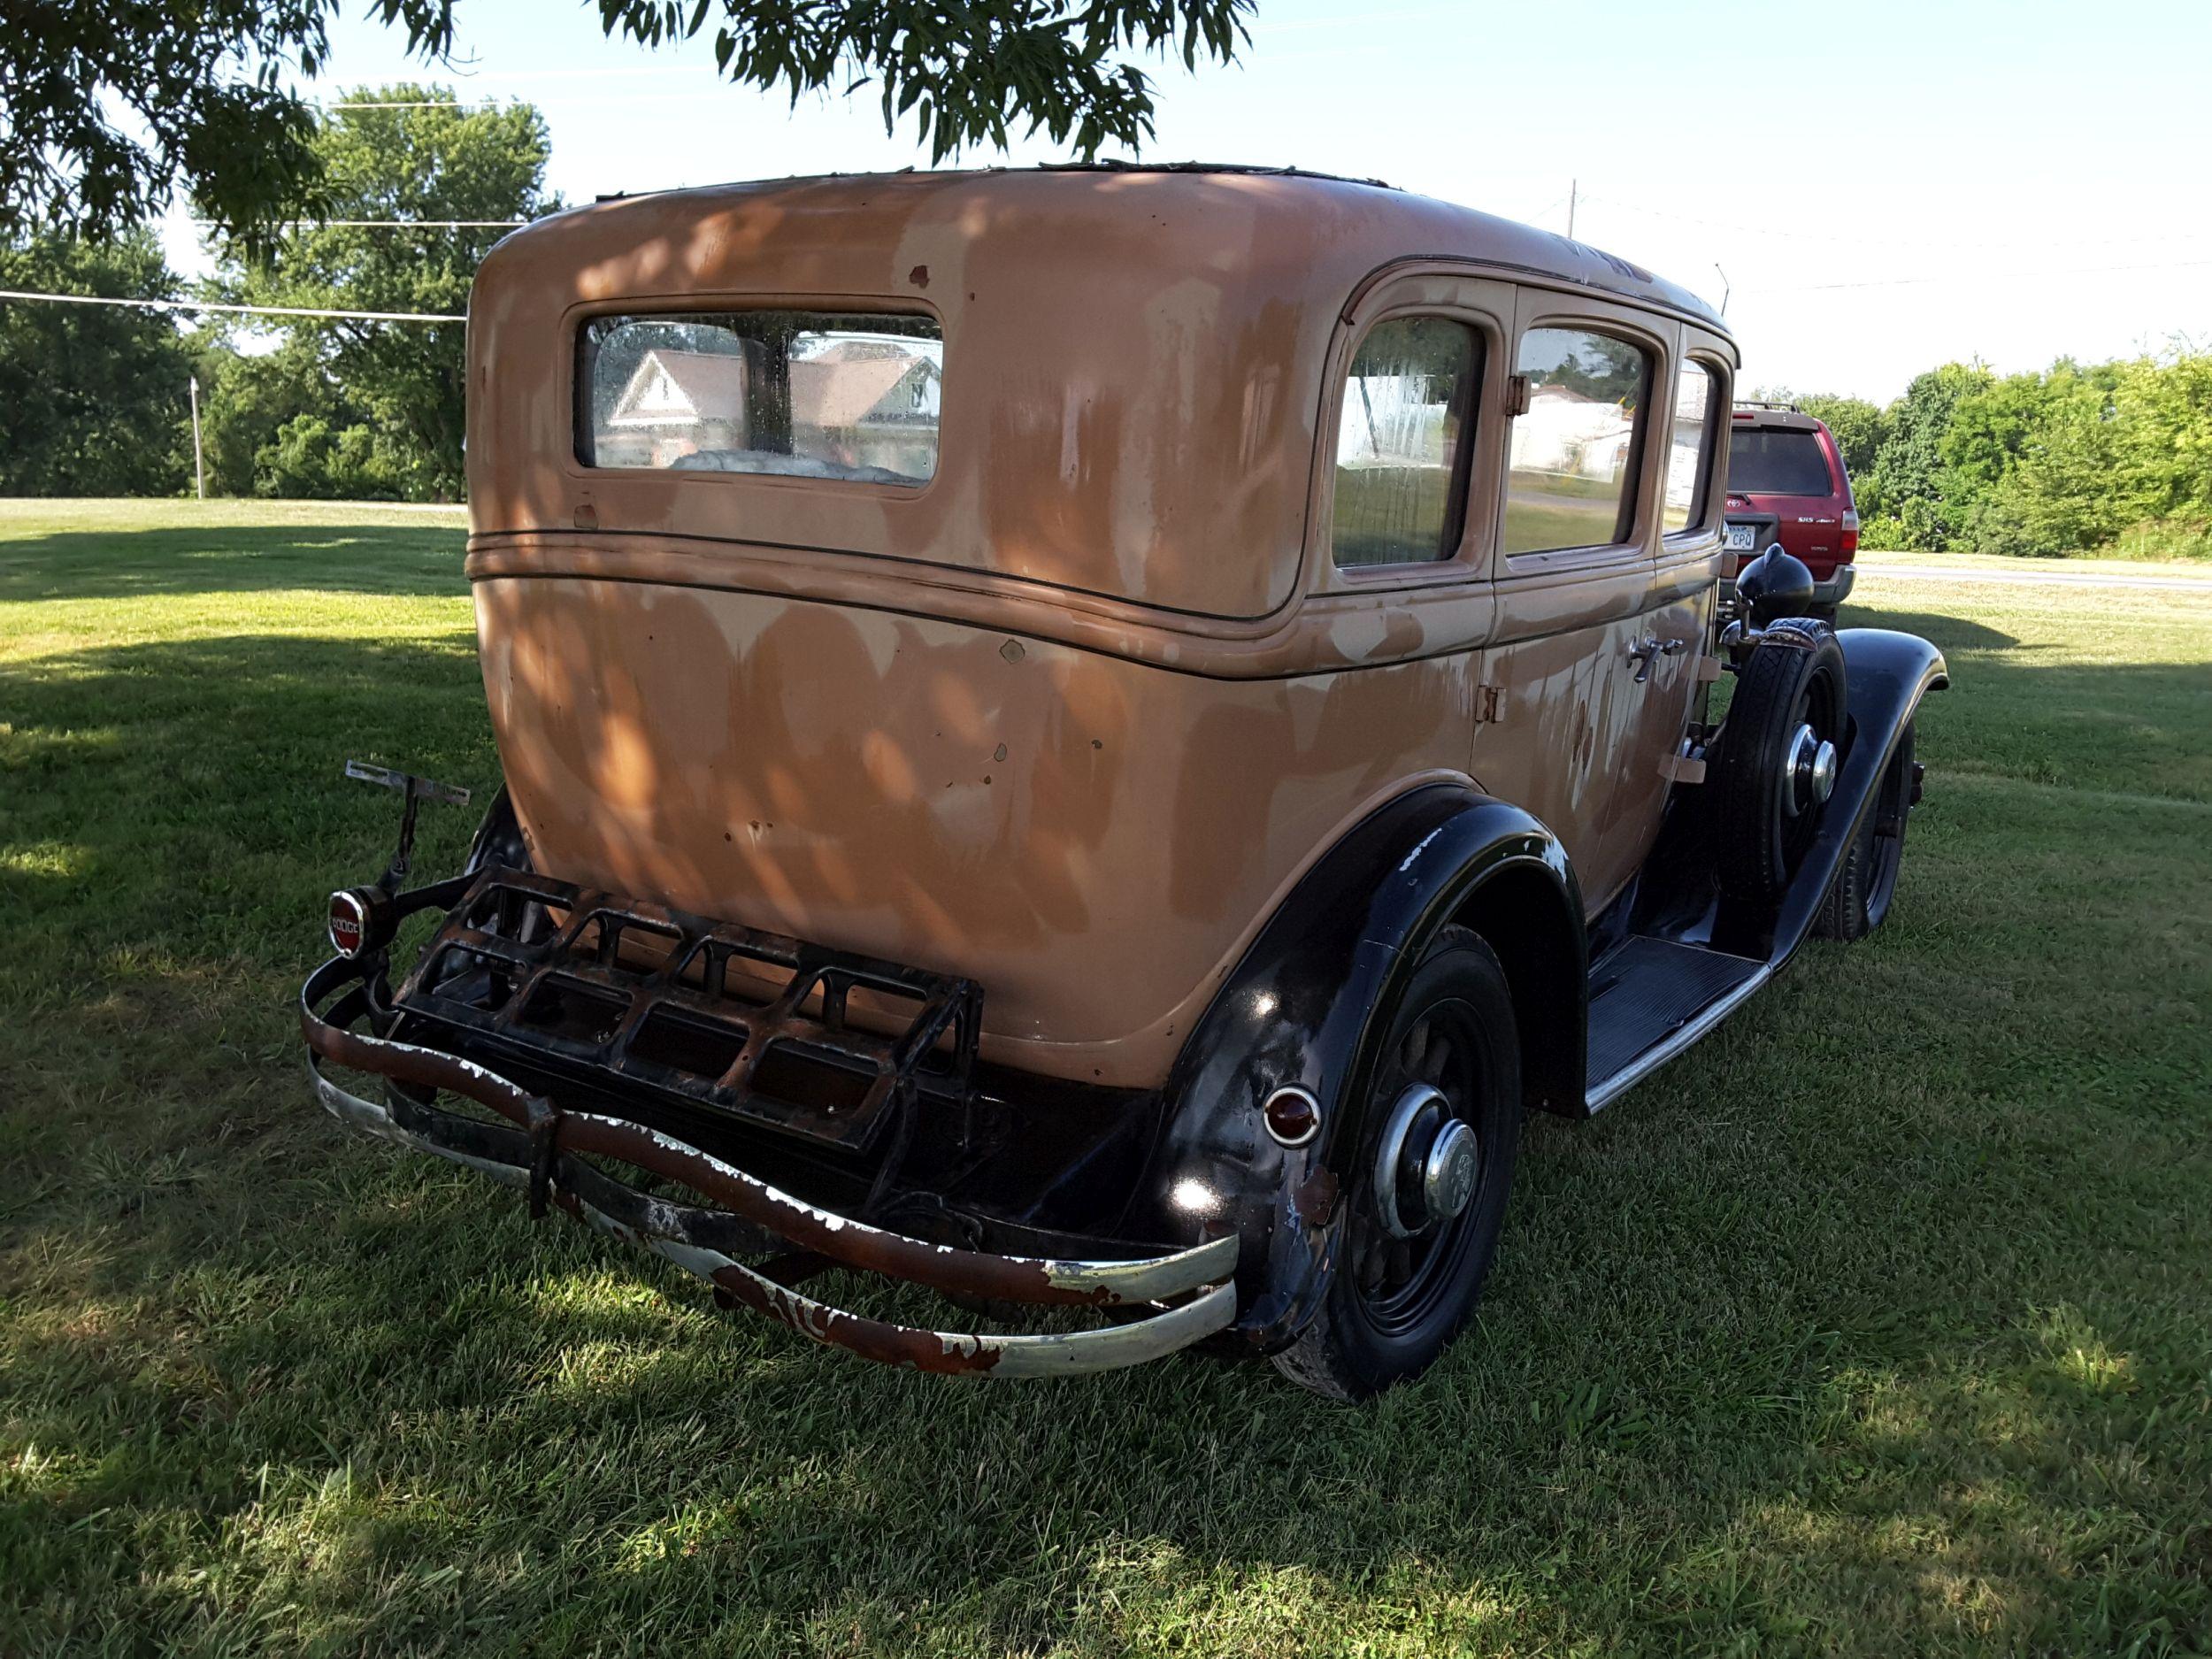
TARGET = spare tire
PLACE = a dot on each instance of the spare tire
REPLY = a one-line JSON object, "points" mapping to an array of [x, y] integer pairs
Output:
{"points": [[1779, 751]]}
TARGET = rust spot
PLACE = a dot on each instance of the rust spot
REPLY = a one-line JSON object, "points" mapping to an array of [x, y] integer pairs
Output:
{"points": [[888, 1344], [999, 752], [1315, 1195], [919, 276]]}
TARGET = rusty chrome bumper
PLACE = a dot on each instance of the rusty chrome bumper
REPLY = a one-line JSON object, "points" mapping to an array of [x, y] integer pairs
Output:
{"points": [[541, 1148]]}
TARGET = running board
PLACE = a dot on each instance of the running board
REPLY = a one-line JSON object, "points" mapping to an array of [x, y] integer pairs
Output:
{"points": [[1652, 998]]}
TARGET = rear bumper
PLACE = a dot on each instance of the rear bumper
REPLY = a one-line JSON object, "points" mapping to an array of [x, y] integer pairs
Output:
{"points": [[1837, 588], [1166, 1301]]}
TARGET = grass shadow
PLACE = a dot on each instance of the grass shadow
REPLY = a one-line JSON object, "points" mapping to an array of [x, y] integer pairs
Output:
{"points": [[1875, 1324], [218, 558]]}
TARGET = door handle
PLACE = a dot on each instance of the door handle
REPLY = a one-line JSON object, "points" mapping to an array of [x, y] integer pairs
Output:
{"points": [[1641, 652]]}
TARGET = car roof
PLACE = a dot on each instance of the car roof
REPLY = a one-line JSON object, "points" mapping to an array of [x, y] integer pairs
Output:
{"points": [[1313, 213], [1767, 417], [1141, 352]]}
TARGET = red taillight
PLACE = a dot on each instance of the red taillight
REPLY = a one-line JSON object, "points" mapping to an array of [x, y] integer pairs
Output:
{"points": [[1850, 534], [349, 923]]}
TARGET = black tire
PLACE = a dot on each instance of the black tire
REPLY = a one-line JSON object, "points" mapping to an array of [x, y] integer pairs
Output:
{"points": [[1393, 1305], [1868, 881], [1793, 678]]}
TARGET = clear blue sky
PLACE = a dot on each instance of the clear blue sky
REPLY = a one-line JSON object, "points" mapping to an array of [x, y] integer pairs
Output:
{"points": [[1887, 185]]}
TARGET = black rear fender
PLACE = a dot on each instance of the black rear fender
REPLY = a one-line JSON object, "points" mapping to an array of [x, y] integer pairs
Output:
{"points": [[1304, 1008]]}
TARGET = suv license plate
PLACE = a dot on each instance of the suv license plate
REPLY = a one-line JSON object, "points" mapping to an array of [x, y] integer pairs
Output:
{"points": [[1740, 537]]}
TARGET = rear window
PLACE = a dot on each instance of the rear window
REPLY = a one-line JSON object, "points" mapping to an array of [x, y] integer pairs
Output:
{"points": [[847, 395], [1777, 461]]}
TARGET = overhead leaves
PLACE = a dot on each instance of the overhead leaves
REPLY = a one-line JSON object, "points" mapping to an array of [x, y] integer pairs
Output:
{"points": [[108, 111]]}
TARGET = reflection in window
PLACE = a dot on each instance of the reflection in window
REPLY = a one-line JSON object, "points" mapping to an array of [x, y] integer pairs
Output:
{"points": [[797, 394], [1570, 473], [1401, 439], [1685, 503]]}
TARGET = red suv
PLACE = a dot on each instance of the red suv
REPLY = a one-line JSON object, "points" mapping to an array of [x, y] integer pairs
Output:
{"points": [[1786, 484]]}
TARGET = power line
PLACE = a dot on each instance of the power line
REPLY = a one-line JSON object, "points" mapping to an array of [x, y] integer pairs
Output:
{"points": [[253, 311]]}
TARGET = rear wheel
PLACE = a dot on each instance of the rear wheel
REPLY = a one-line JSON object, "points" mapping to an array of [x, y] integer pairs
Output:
{"points": [[1427, 1194], [1868, 881], [1778, 757]]}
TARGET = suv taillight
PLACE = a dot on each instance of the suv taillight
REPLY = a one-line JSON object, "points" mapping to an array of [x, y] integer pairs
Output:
{"points": [[1850, 534]]}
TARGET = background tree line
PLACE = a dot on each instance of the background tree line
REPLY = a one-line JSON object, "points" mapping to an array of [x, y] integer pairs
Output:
{"points": [[2109, 458], [94, 400]]}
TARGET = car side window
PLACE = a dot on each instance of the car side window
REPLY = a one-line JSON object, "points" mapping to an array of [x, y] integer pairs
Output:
{"points": [[1573, 453], [1401, 442], [1690, 455]]}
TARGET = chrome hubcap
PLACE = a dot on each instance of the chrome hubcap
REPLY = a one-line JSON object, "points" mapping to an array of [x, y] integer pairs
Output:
{"points": [[1808, 772], [1450, 1171], [1427, 1164]]}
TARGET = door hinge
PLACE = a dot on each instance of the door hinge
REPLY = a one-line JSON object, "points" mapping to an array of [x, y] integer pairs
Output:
{"points": [[1489, 704], [1686, 764], [1518, 390]]}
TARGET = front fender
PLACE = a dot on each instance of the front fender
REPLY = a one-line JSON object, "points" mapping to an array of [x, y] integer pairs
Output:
{"points": [[1304, 1007]]}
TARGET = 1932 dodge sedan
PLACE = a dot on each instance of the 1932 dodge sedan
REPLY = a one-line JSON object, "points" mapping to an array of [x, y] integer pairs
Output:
{"points": [[1097, 737]]}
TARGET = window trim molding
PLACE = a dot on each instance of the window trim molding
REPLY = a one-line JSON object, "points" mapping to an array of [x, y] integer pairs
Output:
{"points": [[1722, 396], [576, 322], [1543, 308], [1486, 301]]}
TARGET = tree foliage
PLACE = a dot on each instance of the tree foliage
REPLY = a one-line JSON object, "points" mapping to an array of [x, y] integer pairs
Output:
{"points": [[107, 111], [93, 399], [399, 386], [1857, 427], [964, 74], [2105, 457]]}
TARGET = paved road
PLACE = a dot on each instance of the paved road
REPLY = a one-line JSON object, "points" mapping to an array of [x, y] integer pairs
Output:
{"points": [[2034, 575]]}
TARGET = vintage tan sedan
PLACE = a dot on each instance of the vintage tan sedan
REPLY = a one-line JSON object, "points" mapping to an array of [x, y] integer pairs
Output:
{"points": [[1097, 737]]}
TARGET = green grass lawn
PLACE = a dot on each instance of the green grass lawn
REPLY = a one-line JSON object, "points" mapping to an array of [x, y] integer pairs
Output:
{"points": [[1882, 1324]]}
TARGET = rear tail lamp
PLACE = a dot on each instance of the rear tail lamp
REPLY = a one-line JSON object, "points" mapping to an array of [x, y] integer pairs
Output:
{"points": [[1850, 533], [360, 920]]}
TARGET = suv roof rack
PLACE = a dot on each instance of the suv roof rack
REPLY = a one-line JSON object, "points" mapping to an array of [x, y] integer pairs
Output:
{"points": [[1762, 402]]}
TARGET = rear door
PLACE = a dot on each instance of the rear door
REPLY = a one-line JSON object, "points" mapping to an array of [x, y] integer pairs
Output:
{"points": [[1577, 521]]}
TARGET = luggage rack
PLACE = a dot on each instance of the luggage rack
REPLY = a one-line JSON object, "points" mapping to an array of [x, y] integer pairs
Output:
{"points": [[814, 1042]]}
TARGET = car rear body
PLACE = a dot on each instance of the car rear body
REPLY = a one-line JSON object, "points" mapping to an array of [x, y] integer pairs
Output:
{"points": [[1786, 483], [1004, 680]]}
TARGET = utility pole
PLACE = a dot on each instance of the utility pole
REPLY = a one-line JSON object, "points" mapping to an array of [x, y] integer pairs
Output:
{"points": [[1573, 186], [199, 468]]}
